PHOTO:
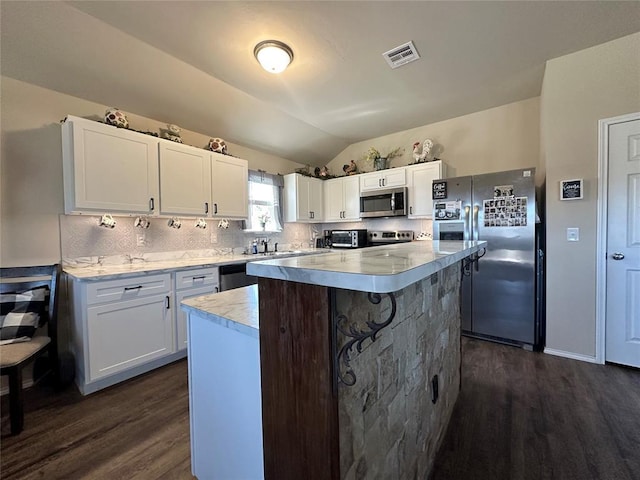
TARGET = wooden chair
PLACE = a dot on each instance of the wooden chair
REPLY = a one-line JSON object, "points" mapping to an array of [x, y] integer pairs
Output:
{"points": [[14, 356]]}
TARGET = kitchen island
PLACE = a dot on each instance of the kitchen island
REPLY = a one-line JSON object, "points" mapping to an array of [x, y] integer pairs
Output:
{"points": [[335, 403], [294, 359]]}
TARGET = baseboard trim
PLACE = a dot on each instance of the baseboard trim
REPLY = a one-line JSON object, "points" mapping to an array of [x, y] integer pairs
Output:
{"points": [[571, 355]]}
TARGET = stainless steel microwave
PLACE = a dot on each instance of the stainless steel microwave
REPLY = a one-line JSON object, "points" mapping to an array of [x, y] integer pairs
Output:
{"points": [[383, 203]]}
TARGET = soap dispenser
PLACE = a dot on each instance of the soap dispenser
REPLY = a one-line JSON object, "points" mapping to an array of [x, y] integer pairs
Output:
{"points": [[254, 247]]}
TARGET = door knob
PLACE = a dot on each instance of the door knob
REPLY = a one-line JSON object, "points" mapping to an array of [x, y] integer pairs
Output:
{"points": [[617, 256]]}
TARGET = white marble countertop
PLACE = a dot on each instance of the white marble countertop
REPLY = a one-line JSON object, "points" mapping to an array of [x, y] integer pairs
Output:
{"points": [[124, 270], [381, 269], [236, 309]]}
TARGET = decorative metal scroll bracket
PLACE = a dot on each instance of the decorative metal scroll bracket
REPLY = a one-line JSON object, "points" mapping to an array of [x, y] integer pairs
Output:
{"points": [[342, 360], [467, 262]]}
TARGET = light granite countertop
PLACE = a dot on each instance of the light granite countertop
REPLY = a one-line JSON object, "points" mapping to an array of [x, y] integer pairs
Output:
{"points": [[381, 269], [236, 309], [123, 270]]}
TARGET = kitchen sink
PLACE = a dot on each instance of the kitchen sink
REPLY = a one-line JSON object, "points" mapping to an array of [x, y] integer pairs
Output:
{"points": [[285, 252]]}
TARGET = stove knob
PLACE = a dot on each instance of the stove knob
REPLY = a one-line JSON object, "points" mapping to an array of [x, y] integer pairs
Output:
{"points": [[375, 234]]}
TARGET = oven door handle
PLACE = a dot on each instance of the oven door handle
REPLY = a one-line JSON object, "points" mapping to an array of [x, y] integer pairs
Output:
{"points": [[393, 201]]}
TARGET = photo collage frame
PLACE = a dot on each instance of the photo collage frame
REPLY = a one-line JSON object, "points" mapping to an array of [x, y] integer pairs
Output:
{"points": [[505, 209]]}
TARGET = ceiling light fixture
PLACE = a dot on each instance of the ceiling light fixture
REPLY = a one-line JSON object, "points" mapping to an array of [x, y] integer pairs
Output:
{"points": [[274, 56]]}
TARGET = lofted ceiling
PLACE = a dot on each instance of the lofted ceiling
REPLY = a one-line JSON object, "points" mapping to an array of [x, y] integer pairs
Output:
{"points": [[192, 64]]}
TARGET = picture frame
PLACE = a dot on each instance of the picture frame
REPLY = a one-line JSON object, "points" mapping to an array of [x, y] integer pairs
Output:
{"points": [[572, 189]]}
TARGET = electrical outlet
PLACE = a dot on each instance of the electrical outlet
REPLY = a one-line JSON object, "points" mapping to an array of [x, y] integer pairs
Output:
{"points": [[214, 236], [140, 240], [434, 389], [573, 234]]}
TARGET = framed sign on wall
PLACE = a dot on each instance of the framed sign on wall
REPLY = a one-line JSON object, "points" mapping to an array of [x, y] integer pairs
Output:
{"points": [[571, 189]]}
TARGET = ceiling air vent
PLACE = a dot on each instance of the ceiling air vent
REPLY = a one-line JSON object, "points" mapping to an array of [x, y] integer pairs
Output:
{"points": [[401, 55]]}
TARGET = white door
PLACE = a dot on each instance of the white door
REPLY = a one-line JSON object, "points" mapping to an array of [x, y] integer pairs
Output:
{"points": [[394, 178], [333, 200], [185, 180], [623, 245], [316, 200], [123, 335], [351, 193], [420, 189], [302, 197], [230, 186], [113, 169]]}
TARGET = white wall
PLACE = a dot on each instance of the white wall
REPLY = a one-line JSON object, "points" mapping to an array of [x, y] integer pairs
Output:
{"points": [[31, 167], [578, 90], [501, 138]]}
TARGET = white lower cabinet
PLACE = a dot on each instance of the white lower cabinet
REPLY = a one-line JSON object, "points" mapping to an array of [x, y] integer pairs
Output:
{"points": [[125, 327], [189, 284], [122, 335], [121, 328]]}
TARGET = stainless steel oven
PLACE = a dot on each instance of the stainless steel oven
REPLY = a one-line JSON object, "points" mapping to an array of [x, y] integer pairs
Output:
{"points": [[383, 203]]}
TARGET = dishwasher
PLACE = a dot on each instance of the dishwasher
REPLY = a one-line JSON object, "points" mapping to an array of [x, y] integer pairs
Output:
{"points": [[235, 276]]}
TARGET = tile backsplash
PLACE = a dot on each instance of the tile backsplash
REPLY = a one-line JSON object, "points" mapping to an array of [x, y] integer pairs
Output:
{"points": [[81, 236]]}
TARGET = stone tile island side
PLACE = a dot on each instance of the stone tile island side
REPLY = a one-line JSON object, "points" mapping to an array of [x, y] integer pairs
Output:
{"points": [[337, 405]]}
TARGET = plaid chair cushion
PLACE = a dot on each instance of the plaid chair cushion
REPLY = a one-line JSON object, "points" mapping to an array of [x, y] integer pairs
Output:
{"points": [[21, 313]]}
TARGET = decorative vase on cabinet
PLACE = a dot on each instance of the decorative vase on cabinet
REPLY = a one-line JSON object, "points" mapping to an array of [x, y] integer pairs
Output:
{"points": [[380, 163]]}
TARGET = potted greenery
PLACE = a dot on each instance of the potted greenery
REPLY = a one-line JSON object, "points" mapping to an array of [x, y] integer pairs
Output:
{"points": [[380, 162]]}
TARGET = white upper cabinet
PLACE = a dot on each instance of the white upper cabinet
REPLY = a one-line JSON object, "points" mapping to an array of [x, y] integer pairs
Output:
{"points": [[229, 186], [419, 180], [202, 183], [303, 199], [342, 199], [392, 177], [185, 180], [108, 169]]}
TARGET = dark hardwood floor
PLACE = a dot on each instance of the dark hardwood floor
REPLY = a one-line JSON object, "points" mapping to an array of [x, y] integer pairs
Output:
{"points": [[138, 429], [520, 415], [524, 415]]}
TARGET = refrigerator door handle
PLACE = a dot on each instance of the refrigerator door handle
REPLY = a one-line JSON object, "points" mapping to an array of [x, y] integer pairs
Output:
{"points": [[467, 223], [476, 208]]}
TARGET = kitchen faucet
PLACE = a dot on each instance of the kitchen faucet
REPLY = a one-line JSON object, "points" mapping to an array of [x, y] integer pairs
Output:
{"points": [[265, 242]]}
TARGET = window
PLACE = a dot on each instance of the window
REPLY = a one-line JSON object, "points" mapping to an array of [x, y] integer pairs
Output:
{"points": [[265, 202]]}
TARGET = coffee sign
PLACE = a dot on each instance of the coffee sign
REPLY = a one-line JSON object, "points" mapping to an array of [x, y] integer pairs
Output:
{"points": [[439, 190], [571, 189]]}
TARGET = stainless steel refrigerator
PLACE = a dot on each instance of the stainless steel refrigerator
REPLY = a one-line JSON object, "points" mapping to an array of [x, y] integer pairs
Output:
{"points": [[501, 297]]}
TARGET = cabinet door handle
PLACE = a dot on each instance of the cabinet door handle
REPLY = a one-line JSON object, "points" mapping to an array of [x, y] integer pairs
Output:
{"points": [[201, 277], [152, 204], [215, 208], [128, 289], [217, 289], [206, 207], [410, 210], [167, 302]]}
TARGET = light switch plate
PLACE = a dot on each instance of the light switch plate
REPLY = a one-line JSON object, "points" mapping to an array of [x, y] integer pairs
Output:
{"points": [[573, 234]]}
